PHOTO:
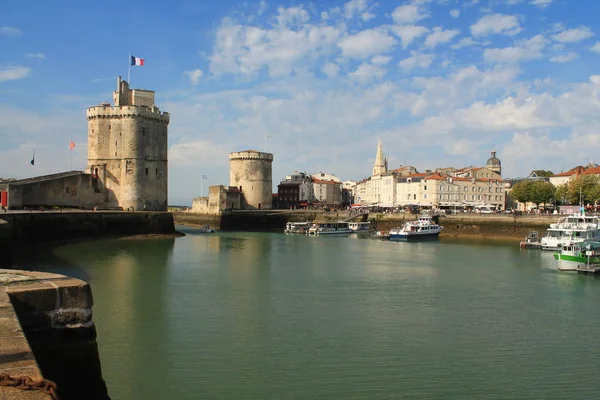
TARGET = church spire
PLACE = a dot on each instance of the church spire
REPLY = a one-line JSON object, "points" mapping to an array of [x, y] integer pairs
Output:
{"points": [[380, 166]]}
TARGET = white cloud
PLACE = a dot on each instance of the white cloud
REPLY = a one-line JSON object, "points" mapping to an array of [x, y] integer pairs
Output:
{"points": [[416, 60], [292, 16], [355, 7], [367, 73], [464, 42], [9, 31], [595, 79], [541, 3], [367, 16], [41, 56], [247, 50], [408, 33], [529, 49], [595, 48], [330, 69], [455, 13], [381, 60], [409, 14], [194, 75], [496, 24], [573, 35], [13, 73], [440, 36], [563, 58], [366, 43]]}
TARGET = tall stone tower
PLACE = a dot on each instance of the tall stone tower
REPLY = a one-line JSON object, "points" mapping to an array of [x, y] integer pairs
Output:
{"points": [[127, 150], [251, 171], [380, 166], [494, 163]]}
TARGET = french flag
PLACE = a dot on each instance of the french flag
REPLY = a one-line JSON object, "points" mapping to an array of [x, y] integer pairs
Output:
{"points": [[137, 61]]}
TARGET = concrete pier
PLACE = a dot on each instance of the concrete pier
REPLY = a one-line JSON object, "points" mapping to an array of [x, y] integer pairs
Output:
{"points": [[47, 333]]}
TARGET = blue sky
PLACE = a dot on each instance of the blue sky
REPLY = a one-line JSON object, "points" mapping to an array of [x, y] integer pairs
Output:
{"points": [[439, 82]]}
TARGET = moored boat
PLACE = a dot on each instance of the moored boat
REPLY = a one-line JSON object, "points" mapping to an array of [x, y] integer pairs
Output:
{"points": [[422, 229], [297, 227], [531, 241], [329, 228], [571, 229], [573, 256], [360, 227], [206, 229]]}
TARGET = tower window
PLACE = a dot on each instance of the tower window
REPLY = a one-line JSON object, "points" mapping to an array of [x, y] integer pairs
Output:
{"points": [[115, 153], [109, 126], [146, 171], [143, 131], [156, 171], [116, 143]]}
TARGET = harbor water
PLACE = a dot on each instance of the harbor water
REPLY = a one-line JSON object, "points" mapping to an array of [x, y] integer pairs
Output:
{"points": [[274, 316]]}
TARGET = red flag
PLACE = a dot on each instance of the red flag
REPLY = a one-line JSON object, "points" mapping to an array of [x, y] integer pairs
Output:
{"points": [[71, 145]]}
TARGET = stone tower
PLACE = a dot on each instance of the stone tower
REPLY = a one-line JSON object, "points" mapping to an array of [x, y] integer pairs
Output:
{"points": [[127, 150], [251, 171], [494, 164], [380, 166]]}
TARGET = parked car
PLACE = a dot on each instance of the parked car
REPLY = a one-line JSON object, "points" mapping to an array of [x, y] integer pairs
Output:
{"points": [[508, 210]]}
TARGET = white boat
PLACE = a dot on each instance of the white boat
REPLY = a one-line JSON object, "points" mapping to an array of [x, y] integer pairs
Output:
{"points": [[573, 256], [571, 229], [297, 227], [329, 228], [422, 229], [206, 229], [360, 227]]}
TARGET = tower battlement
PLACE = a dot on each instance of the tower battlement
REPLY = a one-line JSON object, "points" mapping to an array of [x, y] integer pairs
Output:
{"points": [[116, 112], [251, 155]]}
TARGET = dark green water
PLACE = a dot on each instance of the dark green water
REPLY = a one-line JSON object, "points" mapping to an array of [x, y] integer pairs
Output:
{"points": [[271, 316]]}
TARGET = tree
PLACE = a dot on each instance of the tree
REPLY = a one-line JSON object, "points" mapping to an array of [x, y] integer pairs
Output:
{"points": [[7, 179], [521, 191], [537, 192], [541, 192], [542, 173], [584, 188]]}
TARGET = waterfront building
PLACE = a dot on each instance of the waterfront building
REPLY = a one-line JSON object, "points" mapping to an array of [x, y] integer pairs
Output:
{"points": [[327, 192], [565, 177], [470, 187], [296, 190]]}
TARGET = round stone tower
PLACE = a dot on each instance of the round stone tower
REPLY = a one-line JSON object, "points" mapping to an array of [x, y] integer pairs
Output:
{"points": [[127, 150], [251, 172], [494, 164]]}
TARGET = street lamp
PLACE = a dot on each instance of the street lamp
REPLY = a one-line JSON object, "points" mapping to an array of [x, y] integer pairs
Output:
{"points": [[202, 185]]}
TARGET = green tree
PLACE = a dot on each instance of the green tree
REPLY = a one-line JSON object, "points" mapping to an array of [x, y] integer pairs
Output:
{"points": [[541, 192], [522, 191], [584, 188], [542, 173]]}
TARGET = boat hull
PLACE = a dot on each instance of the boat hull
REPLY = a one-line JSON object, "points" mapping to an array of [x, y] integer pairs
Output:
{"points": [[572, 263], [338, 232], [414, 237]]}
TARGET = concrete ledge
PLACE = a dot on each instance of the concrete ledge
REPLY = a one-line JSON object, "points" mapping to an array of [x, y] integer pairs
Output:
{"points": [[46, 331], [16, 357]]}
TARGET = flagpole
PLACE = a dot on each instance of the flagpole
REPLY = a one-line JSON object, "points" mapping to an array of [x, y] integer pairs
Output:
{"points": [[129, 71]]}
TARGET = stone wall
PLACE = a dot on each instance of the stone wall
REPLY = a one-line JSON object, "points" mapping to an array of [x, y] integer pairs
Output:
{"points": [[42, 226], [55, 313]]}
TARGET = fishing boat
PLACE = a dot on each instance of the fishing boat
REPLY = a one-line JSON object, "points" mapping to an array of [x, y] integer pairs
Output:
{"points": [[360, 227], [531, 241], [206, 229], [573, 256], [422, 229], [329, 228], [297, 227], [571, 229]]}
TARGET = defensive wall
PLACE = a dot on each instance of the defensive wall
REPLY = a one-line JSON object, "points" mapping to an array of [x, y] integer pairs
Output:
{"points": [[48, 335], [57, 225], [505, 226]]}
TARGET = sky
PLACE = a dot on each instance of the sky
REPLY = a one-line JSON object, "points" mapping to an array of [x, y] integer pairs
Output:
{"points": [[440, 82]]}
